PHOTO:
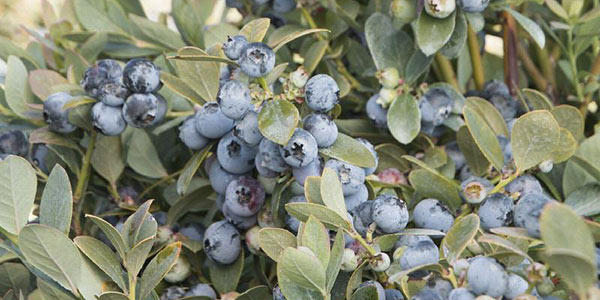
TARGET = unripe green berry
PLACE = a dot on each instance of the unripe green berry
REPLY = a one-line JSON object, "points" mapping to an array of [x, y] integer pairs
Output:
{"points": [[349, 260], [180, 271], [299, 77], [386, 97], [388, 77], [440, 8], [546, 166], [380, 262], [252, 239]]}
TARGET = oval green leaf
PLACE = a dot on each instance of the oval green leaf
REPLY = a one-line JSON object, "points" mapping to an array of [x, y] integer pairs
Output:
{"points": [[351, 151], [534, 137], [484, 137], [56, 205], [17, 193], [459, 236], [277, 120], [432, 33], [404, 118]]}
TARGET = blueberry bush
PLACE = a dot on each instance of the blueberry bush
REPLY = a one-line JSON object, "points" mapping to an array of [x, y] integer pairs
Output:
{"points": [[351, 149]]}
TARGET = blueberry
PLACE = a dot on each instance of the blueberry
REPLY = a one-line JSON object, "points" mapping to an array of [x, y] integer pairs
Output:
{"points": [[528, 211], [496, 210], [106, 70], [292, 223], [376, 113], [113, 93], [506, 149], [272, 156], [440, 8], [349, 260], [419, 253], [141, 76], [201, 290], [240, 222], [220, 178], [393, 294], [426, 294], [190, 136], [180, 270], [222, 242], [257, 59], [300, 150], [475, 189], [411, 240], [262, 170], [234, 155], [322, 128], [172, 293], [473, 6], [142, 110], [247, 129], [38, 156], [510, 124], [493, 87], [245, 196], [277, 294], [465, 173], [363, 217], [506, 105], [14, 143], [368, 145], [461, 294], [193, 231], [108, 120], [380, 262], [390, 213], [54, 114], [315, 168], [351, 177], [322, 93], [455, 154], [377, 285], [113, 69], [283, 6], [486, 277], [524, 184], [436, 104], [234, 4], [440, 286], [354, 200], [211, 122], [160, 216], [431, 214], [516, 286], [234, 99], [234, 45]]}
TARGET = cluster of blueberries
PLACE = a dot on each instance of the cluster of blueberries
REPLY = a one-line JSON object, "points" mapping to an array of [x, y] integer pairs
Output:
{"points": [[126, 96], [16, 142]]}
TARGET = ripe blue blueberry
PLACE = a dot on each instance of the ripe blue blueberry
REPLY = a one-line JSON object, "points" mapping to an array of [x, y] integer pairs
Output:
{"points": [[190, 136], [322, 128], [351, 177], [234, 45], [492, 87], [496, 210], [393, 294], [506, 147], [106, 70], [201, 290], [14, 143], [245, 196], [234, 155], [461, 294], [112, 93], [257, 59], [455, 154], [283, 6], [211, 122], [436, 106], [108, 120], [420, 253], [377, 113], [277, 294], [368, 145], [271, 156], [262, 170], [440, 286], [431, 214], [143, 110], [291, 222], [426, 294], [141, 76], [322, 93], [473, 6], [172, 293], [193, 231], [377, 285], [247, 129], [222, 242], [354, 200], [409, 240], [363, 217], [54, 114], [390, 213], [315, 168], [220, 178], [234, 99], [240, 222], [528, 211], [524, 184], [506, 105], [38, 156], [300, 150], [486, 277], [516, 286]]}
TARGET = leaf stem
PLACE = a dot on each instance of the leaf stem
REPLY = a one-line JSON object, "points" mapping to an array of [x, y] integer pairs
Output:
{"points": [[446, 70], [573, 65], [177, 114], [159, 182], [263, 83], [355, 235], [504, 182], [510, 43], [535, 74], [473, 43], [85, 169], [132, 283]]}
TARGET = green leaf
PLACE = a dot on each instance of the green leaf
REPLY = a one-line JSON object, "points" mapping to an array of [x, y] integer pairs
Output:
{"points": [[331, 193], [459, 236], [94, 46], [215, 35], [417, 65], [566, 147], [101, 255], [17, 90], [530, 26], [312, 190], [93, 19], [490, 114], [389, 47], [473, 156], [274, 240], [584, 200], [503, 243], [277, 120], [557, 9], [190, 169], [569, 117], [335, 259], [57, 201], [132, 6], [355, 280], [188, 15], [459, 36], [484, 137], [256, 293], [366, 293], [113, 296], [139, 226], [8, 48], [17, 193], [351, 151], [193, 201], [256, 30], [202, 77], [209, 58], [302, 270], [136, 257], [158, 267], [534, 137], [390, 156], [111, 233], [316, 237], [404, 118], [387, 241], [41, 82], [537, 100], [142, 156], [226, 278], [158, 33], [50, 292], [569, 245], [14, 276], [53, 253], [432, 33], [277, 44], [314, 54], [434, 185], [107, 158], [330, 218], [181, 88], [584, 166]]}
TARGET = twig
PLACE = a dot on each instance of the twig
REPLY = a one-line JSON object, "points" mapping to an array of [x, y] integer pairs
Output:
{"points": [[85, 169], [446, 70], [511, 73], [473, 43], [535, 74]]}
